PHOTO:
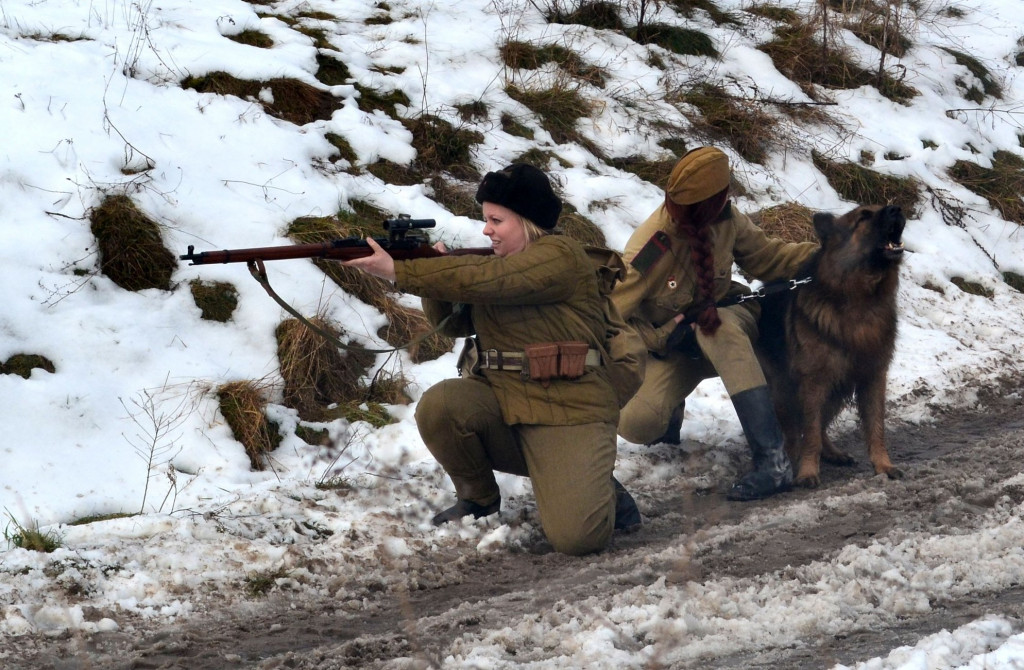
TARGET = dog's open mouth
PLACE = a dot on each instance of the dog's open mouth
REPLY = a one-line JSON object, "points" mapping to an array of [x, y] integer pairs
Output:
{"points": [[893, 249]]}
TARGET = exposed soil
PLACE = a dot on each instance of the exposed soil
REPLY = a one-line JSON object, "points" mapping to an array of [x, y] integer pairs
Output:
{"points": [[289, 632]]}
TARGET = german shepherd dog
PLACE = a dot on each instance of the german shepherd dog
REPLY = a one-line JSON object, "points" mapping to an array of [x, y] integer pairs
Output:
{"points": [[831, 340]]}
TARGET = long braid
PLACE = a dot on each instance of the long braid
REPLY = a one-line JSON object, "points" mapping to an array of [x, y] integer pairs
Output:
{"points": [[698, 235]]}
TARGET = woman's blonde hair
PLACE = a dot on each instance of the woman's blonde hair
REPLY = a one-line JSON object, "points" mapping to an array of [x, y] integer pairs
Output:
{"points": [[532, 230]]}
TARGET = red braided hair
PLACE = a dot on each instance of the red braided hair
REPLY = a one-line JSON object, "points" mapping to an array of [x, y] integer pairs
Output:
{"points": [[694, 221]]}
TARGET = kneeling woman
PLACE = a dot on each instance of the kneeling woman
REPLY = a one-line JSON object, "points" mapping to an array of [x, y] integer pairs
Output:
{"points": [[533, 398]]}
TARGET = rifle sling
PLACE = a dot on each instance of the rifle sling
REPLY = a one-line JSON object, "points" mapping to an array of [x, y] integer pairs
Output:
{"points": [[259, 273]]}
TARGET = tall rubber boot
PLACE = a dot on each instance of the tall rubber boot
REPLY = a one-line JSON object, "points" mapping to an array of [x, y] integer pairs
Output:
{"points": [[675, 425], [772, 470], [627, 514]]}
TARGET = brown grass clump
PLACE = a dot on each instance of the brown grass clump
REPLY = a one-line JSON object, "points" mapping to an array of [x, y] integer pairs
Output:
{"points": [[526, 56], [131, 251], [512, 126], [243, 405], [558, 108], [688, 9], [864, 186], [457, 197], [580, 228], [316, 373], [345, 150], [252, 38], [655, 172], [440, 146], [293, 100], [216, 300], [774, 13], [679, 40], [789, 221], [541, 158], [597, 14], [404, 323], [23, 365], [741, 123], [799, 55], [372, 99], [989, 86], [1002, 185], [331, 71]]}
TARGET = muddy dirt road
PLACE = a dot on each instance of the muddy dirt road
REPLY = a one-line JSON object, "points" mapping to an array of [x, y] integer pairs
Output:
{"points": [[957, 471]]}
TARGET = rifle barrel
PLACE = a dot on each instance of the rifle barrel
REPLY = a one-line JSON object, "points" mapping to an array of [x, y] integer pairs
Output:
{"points": [[343, 250]]}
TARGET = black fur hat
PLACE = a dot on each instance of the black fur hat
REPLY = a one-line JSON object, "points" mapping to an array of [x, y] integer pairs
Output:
{"points": [[525, 190]]}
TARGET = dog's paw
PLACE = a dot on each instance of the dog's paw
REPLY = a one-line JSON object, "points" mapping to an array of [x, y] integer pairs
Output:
{"points": [[892, 472], [808, 481]]}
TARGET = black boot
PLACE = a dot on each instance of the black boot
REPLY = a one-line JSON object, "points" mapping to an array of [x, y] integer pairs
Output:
{"points": [[772, 471], [464, 508], [627, 515], [675, 424]]}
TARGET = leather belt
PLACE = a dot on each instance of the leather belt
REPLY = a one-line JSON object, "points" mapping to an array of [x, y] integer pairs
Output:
{"points": [[512, 361]]}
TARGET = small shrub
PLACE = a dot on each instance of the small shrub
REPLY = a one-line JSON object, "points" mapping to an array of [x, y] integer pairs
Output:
{"points": [[973, 288], [132, 253], [23, 365], [683, 41], [741, 123], [243, 405], [864, 186], [216, 300], [331, 71], [252, 38], [1001, 185], [789, 221], [989, 86]]}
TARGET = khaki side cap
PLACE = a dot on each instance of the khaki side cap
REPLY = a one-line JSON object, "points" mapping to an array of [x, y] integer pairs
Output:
{"points": [[698, 175]]}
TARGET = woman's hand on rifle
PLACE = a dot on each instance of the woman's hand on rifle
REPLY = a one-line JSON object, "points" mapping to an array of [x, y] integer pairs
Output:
{"points": [[379, 263]]}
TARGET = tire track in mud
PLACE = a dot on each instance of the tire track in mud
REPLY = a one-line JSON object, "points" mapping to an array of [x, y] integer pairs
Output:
{"points": [[283, 631]]}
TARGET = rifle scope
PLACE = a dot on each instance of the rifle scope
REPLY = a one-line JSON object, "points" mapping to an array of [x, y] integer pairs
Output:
{"points": [[405, 223]]}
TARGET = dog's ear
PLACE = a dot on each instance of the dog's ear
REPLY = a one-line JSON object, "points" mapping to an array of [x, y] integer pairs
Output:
{"points": [[823, 224]]}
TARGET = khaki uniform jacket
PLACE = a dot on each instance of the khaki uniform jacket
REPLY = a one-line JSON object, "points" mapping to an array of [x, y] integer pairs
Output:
{"points": [[649, 300], [546, 293]]}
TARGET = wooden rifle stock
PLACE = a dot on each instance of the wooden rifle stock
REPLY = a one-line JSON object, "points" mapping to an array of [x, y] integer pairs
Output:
{"points": [[403, 243]]}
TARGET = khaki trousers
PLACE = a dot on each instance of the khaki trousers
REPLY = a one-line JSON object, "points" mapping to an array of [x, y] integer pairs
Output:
{"points": [[668, 380], [570, 467]]}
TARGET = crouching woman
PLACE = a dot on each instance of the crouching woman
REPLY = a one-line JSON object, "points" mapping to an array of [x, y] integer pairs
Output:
{"points": [[533, 398]]}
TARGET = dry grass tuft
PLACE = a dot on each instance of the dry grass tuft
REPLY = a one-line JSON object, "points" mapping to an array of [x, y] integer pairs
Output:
{"points": [[442, 147], [345, 150], [655, 172], [864, 186], [679, 40], [1001, 185], [457, 197], [789, 221], [597, 14], [216, 300], [293, 100], [558, 108], [527, 56], [799, 55], [989, 85], [316, 373], [372, 99], [406, 325], [741, 123], [23, 365], [688, 9], [132, 253], [331, 71], [774, 13], [512, 126], [243, 405], [252, 38], [580, 228]]}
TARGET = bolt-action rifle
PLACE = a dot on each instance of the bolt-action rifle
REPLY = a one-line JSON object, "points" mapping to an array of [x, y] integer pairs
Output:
{"points": [[404, 241]]}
